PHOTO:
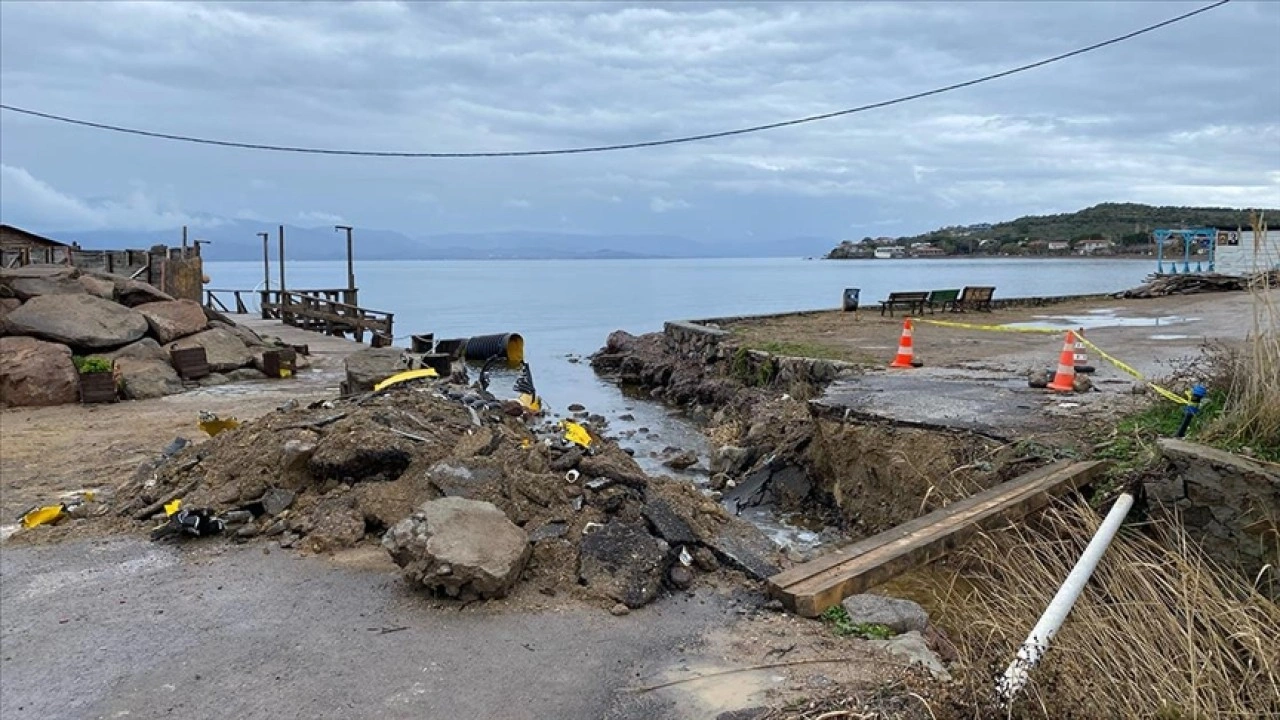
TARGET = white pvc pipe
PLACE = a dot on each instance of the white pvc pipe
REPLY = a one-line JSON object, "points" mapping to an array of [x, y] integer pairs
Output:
{"points": [[1016, 675]]}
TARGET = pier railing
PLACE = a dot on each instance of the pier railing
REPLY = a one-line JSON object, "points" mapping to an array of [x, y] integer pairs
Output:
{"points": [[329, 311]]}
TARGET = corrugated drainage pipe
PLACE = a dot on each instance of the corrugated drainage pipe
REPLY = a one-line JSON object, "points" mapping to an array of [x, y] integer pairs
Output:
{"points": [[508, 345], [1016, 675]]}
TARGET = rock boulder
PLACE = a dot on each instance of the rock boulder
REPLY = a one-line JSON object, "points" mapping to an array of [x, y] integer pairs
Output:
{"points": [[366, 368], [7, 305], [144, 378], [133, 293], [223, 349], [623, 562], [173, 319], [464, 547], [898, 615], [144, 349], [34, 372], [82, 321], [99, 286], [31, 281]]}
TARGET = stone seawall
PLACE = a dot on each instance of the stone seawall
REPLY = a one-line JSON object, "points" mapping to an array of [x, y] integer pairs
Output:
{"points": [[698, 342], [1229, 504]]}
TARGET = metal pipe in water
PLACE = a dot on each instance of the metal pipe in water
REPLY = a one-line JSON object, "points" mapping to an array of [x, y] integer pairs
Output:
{"points": [[1037, 643]]}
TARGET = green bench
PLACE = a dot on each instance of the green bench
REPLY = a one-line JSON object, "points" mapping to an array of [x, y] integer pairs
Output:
{"points": [[945, 299]]}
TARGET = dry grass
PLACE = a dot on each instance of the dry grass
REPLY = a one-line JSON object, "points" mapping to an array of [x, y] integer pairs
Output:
{"points": [[1251, 411], [1160, 631]]}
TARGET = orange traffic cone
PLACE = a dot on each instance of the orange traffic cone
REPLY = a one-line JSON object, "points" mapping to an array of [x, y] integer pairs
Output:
{"points": [[905, 357], [1064, 379]]}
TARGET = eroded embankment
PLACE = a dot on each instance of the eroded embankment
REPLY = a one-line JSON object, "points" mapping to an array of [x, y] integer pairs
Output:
{"points": [[771, 445]]}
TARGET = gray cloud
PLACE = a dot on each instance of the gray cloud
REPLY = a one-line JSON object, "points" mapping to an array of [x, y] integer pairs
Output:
{"points": [[1185, 116]]}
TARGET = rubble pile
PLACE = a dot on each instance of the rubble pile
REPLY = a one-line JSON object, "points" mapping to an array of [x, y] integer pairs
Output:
{"points": [[50, 314], [465, 496], [1190, 284]]}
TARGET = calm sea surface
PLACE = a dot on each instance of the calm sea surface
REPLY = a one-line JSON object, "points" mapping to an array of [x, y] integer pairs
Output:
{"points": [[569, 307]]}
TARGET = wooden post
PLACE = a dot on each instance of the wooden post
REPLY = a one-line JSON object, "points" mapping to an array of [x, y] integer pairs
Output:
{"points": [[282, 260], [184, 240], [266, 261], [351, 268]]}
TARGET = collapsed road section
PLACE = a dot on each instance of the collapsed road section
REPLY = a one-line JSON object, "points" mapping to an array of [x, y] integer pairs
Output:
{"points": [[469, 494]]}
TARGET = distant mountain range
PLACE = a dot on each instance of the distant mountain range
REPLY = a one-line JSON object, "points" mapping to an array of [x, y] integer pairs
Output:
{"points": [[238, 240]]}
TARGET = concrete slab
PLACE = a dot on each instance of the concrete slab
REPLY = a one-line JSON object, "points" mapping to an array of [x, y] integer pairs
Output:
{"points": [[1004, 409]]}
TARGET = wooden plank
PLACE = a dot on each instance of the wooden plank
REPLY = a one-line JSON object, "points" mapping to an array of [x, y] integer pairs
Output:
{"points": [[811, 588]]}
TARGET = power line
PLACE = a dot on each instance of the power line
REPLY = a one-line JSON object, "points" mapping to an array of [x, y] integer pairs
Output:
{"points": [[621, 146]]}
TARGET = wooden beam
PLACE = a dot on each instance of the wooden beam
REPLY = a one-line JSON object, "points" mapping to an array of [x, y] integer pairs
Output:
{"points": [[810, 588]]}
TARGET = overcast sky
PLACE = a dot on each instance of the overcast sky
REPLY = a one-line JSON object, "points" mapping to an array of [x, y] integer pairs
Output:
{"points": [[1189, 115]]}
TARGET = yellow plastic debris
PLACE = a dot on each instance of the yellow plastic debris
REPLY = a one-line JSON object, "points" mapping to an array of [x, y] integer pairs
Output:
{"points": [[212, 424], [406, 376], [43, 515], [532, 403], [173, 507], [575, 433]]}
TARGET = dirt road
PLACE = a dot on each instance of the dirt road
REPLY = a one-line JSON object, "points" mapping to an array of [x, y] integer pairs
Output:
{"points": [[124, 628]]}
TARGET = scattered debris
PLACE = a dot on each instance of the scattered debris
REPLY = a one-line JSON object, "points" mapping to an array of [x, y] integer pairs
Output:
{"points": [[1188, 284]]}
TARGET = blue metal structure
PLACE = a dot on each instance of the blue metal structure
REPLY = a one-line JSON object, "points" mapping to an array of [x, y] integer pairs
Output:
{"points": [[1205, 235]]}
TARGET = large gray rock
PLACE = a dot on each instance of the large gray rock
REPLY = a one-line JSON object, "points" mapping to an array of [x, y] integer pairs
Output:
{"points": [[133, 293], [913, 648], [102, 287], [623, 562], [246, 335], [464, 547], [145, 378], [368, 367], [898, 615], [36, 280], [34, 372], [7, 305], [223, 349], [173, 319], [144, 349], [82, 321]]}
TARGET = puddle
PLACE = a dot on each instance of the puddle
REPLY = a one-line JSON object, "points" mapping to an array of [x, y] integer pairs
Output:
{"points": [[1170, 337], [1099, 319]]}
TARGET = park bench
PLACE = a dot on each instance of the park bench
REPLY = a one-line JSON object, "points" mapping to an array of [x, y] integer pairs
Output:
{"points": [[976, 298], [945, 299], [906, 300]]}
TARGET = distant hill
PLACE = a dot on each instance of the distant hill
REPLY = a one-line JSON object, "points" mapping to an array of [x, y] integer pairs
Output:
{"points": [[1124, 224]]}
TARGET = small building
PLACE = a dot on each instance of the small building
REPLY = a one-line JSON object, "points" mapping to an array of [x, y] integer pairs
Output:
{"points": [[177, 271], [928, 251], [1095, 247], [1058, 246], [22, 247], [888, 253], [1241, 251]]}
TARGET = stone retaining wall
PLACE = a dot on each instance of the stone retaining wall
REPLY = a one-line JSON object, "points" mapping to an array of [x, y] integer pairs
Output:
{"points": [[1229, 504], [697, 342]]}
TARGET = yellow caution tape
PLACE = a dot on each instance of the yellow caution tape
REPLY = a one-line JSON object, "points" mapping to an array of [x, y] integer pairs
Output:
{"points": [[990, 328], [1125, 367]]}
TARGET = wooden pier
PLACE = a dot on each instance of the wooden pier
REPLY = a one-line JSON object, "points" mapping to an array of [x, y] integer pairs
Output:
{"points": [[329, 311], [810, 588]]}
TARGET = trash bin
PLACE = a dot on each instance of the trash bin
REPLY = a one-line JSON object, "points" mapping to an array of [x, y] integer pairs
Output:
{"points": [[850, 303]]}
